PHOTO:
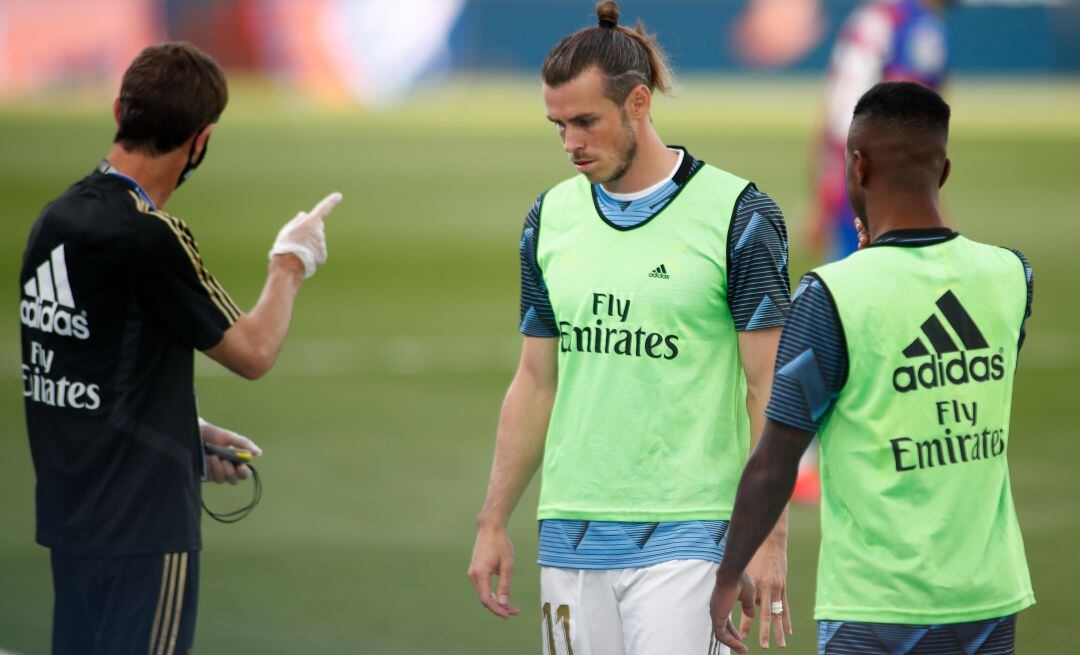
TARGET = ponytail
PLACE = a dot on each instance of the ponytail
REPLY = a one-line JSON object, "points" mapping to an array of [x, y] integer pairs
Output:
{"points": [[627, 57]]}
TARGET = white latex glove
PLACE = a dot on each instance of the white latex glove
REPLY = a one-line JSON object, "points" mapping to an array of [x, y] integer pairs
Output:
{"points": [[305, 236], [218, 470]]}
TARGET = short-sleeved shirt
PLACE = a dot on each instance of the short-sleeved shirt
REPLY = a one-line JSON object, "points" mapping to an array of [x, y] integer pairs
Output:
{"points": [[802, 395], [758, 295], [881, 41], [758, 290], [114, 300]]}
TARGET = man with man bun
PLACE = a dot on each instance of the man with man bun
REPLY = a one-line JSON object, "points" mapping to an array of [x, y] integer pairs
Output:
{"points": [[653, 291]]}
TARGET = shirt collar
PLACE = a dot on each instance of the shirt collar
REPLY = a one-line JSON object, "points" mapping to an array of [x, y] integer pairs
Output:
{"points": [[915, 237], [105, 168]]}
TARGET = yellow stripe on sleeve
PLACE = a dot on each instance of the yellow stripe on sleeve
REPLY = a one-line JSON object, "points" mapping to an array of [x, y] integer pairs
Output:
{"points": [[217, 294], [210, 284]]}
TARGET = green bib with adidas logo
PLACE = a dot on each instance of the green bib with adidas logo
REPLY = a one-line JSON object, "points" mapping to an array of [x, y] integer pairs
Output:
{"points": [[649, 421], [917, 517]]}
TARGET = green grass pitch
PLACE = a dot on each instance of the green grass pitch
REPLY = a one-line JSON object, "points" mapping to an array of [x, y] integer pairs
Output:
{"points": [[378, 421]]}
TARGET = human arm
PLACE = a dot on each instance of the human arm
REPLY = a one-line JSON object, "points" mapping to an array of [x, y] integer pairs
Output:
{"points": [[761, 501], [811, 369], [759, 299], [522, 428], [519, 447], [768, 569], [251, 345], [217, 469]]}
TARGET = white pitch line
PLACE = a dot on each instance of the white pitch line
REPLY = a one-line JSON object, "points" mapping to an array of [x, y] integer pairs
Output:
{"points": [[1051, 350], [404, 356]]}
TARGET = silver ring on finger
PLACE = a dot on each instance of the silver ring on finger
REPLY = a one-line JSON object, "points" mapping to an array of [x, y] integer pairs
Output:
{"points": [[777, 607]]}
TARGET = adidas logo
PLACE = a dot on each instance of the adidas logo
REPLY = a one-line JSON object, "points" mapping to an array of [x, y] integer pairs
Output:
{"points": [[660, 272], [948, 363], [48, 305]]}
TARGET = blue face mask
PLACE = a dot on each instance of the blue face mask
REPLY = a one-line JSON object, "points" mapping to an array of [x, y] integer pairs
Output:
{"points": [[192, 165]]}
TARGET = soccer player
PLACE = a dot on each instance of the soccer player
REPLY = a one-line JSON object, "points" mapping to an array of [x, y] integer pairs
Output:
{"points": [[115, 301], [902, 359], [653, 288], [881, 41], [885, 40]]}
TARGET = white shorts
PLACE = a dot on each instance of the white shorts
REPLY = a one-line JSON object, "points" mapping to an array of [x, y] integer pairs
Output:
{"points": [[654, 610]]}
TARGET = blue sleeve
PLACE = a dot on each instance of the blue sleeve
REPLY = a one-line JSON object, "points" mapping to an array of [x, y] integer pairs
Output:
{"points": [[811, 361], [758, 291], [1029, 275], [920, 51], [537, 315]]}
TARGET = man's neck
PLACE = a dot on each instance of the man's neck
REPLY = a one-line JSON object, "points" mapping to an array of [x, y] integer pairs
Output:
{"points": [[910, 214], [156, 175], [652, 164]]}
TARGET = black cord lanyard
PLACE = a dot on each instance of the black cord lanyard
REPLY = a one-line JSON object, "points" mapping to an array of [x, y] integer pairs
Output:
{"points": [[242, 513]]}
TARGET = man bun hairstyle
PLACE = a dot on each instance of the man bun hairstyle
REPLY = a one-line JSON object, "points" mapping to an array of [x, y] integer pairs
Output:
{"points": [[905, 106], [626, 57], [607, 13], [170, 92]]}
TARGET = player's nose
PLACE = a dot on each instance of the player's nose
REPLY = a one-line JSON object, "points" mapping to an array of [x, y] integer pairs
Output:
{"points": [[572, 143]]}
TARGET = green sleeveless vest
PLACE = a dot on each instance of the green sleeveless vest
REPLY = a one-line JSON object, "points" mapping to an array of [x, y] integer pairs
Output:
{"points": [[917, 517], [649, 421]]}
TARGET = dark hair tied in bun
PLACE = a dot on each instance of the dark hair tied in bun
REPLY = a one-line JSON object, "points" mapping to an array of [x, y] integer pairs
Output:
{"points": [[607, 13]]}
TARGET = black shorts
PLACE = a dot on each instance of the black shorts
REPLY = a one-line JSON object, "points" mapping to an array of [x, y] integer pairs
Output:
{"points": [[127, 604]]}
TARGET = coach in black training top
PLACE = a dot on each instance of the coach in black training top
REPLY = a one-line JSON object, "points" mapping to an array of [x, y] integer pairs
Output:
{"points": [[115, 300]]}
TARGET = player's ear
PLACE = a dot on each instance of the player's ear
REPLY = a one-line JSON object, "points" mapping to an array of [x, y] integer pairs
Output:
{"points": [[860, 166], [639, 102], [201, 138], [116, 110], [945, 172]]}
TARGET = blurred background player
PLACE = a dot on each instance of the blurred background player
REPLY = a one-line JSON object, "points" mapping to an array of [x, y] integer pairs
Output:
{"points": [[116, 299], [901, 358], [887, 40], [653, 288]]}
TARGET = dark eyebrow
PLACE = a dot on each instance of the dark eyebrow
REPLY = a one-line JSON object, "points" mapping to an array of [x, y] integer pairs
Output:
{"points": [[574, 119]]}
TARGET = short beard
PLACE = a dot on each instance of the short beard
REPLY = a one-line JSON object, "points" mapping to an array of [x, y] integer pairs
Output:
{"points": [[628, 155]]}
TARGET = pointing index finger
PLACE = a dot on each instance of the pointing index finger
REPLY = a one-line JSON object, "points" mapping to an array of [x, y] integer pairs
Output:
{"points": [[322, 210]]}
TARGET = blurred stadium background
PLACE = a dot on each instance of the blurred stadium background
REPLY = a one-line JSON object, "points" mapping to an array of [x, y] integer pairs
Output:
{"points": [[379, 419]]}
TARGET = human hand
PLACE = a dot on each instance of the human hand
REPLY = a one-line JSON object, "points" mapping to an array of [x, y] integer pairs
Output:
{"points": [[864, 236], [305, 237], [493, 555], [768, 570], [723, 601], [219, 470]]}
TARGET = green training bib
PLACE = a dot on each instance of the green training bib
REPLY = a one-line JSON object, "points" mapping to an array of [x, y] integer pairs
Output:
{"points": [[650, 420], [917, 517]]}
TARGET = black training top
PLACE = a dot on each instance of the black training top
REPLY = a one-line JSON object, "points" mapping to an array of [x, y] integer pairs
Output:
{"points": [[115, 300]]}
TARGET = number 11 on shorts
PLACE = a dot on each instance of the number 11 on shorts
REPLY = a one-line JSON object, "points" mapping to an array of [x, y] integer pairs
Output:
{"points": [[562, 616]]}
